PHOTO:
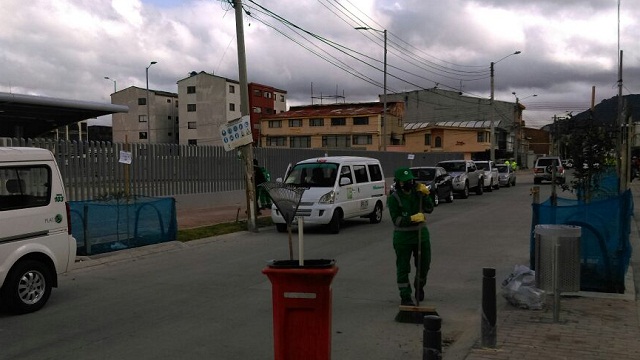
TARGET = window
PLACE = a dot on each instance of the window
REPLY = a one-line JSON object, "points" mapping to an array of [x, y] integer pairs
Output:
{"points": [[191, 89], [257, 93], [142, 118], [142, 135], [361, 120], [191, 125], [275, 124], [267, 95], [481, 136], [338, 121], [281, 98], [438, 142], [192, 142], [257, 109], [142, 101], [25, 187], [232, 107], [232, 89], [316, 122], [168, 101], [362, 139], [276, 140], [300, 141], [295, 123], [269, 111], [360, 172], [427, 139], [375, 171], [191, 107], [345, 172], [340, 141], [169, 117]]}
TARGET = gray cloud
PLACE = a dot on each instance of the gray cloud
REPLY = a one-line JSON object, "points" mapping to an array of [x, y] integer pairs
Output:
{"points": [[66, 48]]}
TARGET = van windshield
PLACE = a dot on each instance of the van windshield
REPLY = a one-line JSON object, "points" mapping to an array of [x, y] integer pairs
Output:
{"points": [[313, 175]]}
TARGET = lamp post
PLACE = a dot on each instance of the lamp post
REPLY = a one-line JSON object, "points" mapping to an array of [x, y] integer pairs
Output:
{"points": [[114, 83], [518, 126], [148, 114], [384, 106], [492, 134]]}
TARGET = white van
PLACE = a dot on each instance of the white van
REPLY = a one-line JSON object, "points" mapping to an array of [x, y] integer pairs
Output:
{"points": [[35, 232], [337, 188]]}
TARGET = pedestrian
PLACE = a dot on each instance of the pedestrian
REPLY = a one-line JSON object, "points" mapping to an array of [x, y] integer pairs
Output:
{"points": [[407, 207], [514, 165], [258, 178]]}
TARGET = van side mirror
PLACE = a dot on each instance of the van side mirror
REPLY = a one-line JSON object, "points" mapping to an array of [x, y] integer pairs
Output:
{"points": [[345, 181]]}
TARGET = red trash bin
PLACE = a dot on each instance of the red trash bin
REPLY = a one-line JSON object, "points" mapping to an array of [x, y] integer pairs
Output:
{"points": [[301, 298]]}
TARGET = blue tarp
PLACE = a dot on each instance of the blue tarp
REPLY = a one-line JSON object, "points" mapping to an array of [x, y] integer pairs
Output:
{"points": [[104, 226], [605, 249]]}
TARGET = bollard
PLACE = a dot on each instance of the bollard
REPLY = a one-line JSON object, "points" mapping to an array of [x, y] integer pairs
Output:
{"points": [[432, 338], [488, 325]]}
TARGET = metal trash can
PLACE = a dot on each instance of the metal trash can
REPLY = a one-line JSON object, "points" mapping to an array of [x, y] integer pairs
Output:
{"points": [[567, 240]]}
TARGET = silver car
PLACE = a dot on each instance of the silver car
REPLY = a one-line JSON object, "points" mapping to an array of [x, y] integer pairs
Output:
{"points": [[506, 175]]}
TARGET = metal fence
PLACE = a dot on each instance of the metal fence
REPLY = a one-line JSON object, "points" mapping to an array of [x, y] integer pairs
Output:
{"points": [[92, 170]]}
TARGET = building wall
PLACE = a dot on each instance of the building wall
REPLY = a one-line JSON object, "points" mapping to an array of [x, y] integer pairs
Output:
{"points": [[214, 103], [459, 140], [271, 133], [128, 127]]}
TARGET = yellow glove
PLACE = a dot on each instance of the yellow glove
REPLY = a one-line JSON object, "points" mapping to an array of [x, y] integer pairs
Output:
{"points": [[423, 189], [417, 218]]}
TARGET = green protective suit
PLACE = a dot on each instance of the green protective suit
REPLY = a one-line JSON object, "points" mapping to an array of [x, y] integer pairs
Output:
{"points": [[405, 238]]}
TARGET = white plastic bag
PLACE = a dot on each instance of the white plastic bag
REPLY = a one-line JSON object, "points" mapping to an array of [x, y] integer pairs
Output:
{"points": [[519, 288]]}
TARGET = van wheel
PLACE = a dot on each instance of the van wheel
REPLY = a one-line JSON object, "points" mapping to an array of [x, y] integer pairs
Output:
{"points": [[376, 215], [27, 287], [336, 219], [281, 227]]}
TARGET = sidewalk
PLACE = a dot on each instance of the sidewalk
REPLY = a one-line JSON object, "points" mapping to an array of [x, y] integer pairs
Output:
{"points": [[591, 325]]}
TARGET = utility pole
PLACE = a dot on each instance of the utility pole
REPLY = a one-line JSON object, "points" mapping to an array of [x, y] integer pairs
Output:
{"points": [[246, 151], [622, 163]]}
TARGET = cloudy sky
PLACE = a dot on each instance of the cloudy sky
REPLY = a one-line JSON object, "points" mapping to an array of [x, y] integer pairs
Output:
{"points": [[66, 48]]}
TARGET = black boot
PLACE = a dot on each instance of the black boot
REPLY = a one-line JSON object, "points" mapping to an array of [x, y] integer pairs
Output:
{"points": [[407, 302]]}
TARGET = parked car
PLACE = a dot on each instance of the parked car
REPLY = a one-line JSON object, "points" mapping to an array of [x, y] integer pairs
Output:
{"points": [[36, 244], [437, 180], [567, 163], [465, 176], [506, 175], [338, 188], [544, 169], [491, 180]]}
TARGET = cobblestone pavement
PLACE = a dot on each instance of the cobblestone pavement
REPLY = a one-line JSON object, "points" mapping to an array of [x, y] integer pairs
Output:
{"points": [[588, 328]]}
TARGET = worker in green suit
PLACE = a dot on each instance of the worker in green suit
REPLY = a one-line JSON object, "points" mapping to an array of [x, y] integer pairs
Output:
{"points": [[408, 218]]}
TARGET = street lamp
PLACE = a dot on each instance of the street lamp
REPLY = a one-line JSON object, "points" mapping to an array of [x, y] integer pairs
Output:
{"points": [[493, 140], [149, 115], [384, 110], [518, 127], [114, 83]]}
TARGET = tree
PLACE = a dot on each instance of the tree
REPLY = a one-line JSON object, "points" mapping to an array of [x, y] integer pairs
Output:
{"points": [[592, 147]]}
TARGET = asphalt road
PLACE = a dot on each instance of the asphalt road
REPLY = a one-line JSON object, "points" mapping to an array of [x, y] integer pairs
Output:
{"points": [[209, 298]]}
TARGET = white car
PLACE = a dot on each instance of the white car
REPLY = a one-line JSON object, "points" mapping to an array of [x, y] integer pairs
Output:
{"points": [[491, 176], [35, 241], [336, 188]]}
